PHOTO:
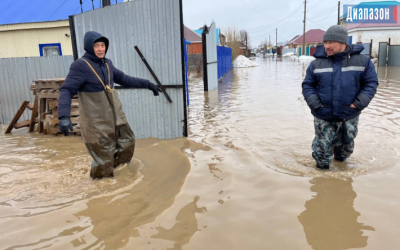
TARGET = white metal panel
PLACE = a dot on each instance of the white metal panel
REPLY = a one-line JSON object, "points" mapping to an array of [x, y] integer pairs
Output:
{"points": [[212, 61], [155, 27]]}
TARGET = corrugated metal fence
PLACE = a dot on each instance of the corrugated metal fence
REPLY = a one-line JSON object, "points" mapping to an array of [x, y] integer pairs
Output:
{"points": [[16, 76], [394, 56], [382, 54], [224, 56], [156, 27]]}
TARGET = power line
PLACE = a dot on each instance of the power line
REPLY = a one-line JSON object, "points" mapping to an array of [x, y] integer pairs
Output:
{"points": [[256, 10], [281, 26], [272, 24]]}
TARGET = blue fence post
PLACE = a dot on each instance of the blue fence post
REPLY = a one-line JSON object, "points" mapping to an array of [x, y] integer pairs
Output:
{"points": [[186, 72]]}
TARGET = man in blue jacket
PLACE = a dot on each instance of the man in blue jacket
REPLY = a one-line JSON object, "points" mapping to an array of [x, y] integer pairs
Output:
{"points": [[105, 130], [338, 85]]}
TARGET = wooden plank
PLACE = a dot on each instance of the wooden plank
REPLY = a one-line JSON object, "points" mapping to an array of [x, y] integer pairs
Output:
{"points": [[52, 120], [30, 106], [16, 117], [34, 115], [74, 112], [33, 89], [49, 84], [41, 110], [22, 124], [55, 130], [44, 93], [53, 104]]}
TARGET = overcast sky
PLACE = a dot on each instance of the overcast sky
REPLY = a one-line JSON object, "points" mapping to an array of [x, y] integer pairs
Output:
{"points": [[261, 17]]}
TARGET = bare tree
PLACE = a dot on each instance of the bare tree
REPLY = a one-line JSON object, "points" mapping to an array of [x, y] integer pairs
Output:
{"points": [[244, 38], [232, 35]]}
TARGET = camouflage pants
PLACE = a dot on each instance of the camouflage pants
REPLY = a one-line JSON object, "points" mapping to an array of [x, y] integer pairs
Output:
{"points": [[333, 138]]}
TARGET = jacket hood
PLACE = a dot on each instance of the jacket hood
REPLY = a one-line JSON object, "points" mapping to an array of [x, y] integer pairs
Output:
{"points": [[89, 40], [351, 49]]}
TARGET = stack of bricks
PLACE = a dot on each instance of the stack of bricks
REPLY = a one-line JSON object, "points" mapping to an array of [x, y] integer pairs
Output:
{"points": [[47, 92]]}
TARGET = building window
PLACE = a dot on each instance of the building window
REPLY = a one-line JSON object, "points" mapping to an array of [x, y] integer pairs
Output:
{"points": [[50, 49]]}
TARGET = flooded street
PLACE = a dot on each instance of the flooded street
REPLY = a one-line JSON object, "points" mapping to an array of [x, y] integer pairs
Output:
{"points": [[243, 179]]}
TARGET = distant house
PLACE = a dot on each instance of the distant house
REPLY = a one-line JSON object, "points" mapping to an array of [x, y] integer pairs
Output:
{"points": [[377, 32], [196, 46], [195, 37], [313, 38], [37, 28], [200, 32], [290, 43], [241, 48]]}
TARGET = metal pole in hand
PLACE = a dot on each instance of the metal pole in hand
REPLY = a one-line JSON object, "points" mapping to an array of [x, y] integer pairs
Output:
{"points": [[152, 73]]}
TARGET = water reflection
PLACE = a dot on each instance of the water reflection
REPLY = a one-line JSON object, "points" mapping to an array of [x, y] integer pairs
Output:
{"points": [[116, 219], [185, 226], [330, 220]]}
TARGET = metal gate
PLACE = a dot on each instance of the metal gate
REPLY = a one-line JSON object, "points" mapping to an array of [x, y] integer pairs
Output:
{"points": [[156, 27], [394, 55], [210, 62], [367, 49], [382, 54]]}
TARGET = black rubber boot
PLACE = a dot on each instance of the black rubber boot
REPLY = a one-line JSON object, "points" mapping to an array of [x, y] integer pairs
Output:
{"points": [[324, 167], [339, 158]]}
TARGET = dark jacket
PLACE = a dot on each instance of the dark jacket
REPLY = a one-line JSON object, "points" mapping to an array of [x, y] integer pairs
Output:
{"points": [[333, 83], [81, 77]]}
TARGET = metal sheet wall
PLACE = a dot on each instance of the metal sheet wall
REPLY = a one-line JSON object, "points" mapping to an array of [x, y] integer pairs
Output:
{"points": [[224, 60], [155, 27], [16, 76], [394, 55], [212, 63], [382, 55], [367, 49]]}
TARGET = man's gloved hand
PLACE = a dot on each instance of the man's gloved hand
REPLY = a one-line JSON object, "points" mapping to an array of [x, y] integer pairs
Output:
{"points": [[64, 124], [155, 89]]}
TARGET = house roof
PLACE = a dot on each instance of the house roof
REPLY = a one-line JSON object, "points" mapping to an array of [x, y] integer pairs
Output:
{"points": [[312, 36], [294, 38], [200, 32], [23, 11], [191, 36]]}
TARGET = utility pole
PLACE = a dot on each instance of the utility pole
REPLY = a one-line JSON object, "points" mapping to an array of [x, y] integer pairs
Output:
{"points": [[304, 28], [338, 13], [276, 40], [246, 43], [269, 42]]}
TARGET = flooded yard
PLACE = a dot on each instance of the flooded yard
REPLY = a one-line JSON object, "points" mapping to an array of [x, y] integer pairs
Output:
{"points": [[243, 179]]}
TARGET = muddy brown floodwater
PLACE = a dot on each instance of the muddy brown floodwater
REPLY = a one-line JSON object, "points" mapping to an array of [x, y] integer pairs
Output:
{"points": [[243, 179]]}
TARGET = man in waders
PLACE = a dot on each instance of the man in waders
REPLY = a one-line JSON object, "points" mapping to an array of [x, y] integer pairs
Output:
{"points": [[339, 84], [105, 130]]}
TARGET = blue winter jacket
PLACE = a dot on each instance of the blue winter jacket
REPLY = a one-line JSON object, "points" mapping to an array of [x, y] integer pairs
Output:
{"points": [[333, 83], [81, 77]]}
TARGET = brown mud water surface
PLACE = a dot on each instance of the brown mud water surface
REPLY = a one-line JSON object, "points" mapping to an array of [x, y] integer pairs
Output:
{"points": [[243, 179]]}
